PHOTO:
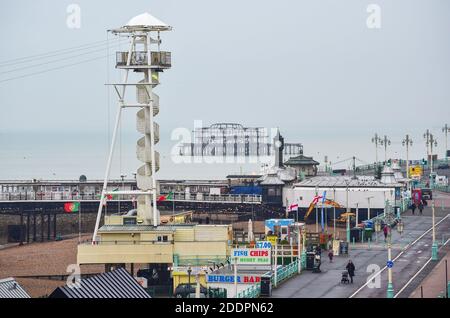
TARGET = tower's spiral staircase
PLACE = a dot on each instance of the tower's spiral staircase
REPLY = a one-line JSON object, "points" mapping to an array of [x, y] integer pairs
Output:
{"points": [[144, 150]]}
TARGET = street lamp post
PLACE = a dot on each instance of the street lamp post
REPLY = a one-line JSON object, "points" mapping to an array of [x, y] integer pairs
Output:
{"points": [[390, 288], [317, 213], [189, 270], [303, 246], [446, 130], [368, 207], [407, 142], [334, 214], [357, 213], [377, 228], [122, 176], [376, 140], [431, 141], [434, 247], [348, 214], [389, 218], [385, 142], [426, 135], [299, 263]]}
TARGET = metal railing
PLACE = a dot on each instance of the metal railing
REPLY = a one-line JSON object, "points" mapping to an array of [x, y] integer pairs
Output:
{"points": [[442, 188], [50, 196], [285, 272], [115, 242], [139, 58], [67, 196], [238, 198], [254, 291], [402, 163]]}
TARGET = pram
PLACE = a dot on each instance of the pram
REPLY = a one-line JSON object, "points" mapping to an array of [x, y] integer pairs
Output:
{"points": [[344, 279]]}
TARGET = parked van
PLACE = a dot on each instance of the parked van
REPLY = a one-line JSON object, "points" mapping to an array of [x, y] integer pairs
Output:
{"points": [[441, 180]]}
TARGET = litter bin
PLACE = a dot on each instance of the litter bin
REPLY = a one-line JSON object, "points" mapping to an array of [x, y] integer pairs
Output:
{"points": [[310, 260], [355, 234], [343, 248], [266, 285], [368, 232]]}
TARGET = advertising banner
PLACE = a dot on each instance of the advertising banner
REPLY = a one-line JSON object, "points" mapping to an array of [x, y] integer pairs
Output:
{"points": [[229, 279], [251, 256]]}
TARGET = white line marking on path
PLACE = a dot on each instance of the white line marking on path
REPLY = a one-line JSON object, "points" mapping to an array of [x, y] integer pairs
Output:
{"points": [[400, 254], [418, 272]]}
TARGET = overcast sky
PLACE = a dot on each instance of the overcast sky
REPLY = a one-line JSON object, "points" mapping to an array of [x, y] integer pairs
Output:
{"points": [[312, 68]]}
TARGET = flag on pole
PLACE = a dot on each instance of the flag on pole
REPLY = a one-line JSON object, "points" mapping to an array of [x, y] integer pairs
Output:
{"points": [[107, 197], [293, 207], [166, 197], [114, 196], [71, 207], [321, 212]]}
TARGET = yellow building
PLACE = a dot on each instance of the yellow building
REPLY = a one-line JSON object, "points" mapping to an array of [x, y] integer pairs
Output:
{"points": [[181, 275], [180, 246]]}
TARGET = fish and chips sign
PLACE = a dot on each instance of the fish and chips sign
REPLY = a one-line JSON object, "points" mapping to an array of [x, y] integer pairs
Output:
{"points": [[252, 256]]}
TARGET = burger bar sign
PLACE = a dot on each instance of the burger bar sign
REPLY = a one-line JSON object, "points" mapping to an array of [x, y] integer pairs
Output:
{"points": [[251, 256], [241, 279]]}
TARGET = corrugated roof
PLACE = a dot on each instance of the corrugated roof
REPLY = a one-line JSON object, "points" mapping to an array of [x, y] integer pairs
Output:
{"points": [[115, 284], [301, 160], [271, 179], [243, 176], [9, 288], [324, 181]]}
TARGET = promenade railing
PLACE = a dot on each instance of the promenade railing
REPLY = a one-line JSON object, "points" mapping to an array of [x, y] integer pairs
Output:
{"points": [[67, 196]]}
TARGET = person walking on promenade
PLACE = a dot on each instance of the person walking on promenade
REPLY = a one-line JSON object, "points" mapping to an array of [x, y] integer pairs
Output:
{"points": [[385, 232], [330, 255], [413, 208], [317, 263], [318, 250], [351, 270], [420, 207]]}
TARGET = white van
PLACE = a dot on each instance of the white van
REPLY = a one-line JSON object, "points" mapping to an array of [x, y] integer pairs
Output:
{"points": [[441, 180]]}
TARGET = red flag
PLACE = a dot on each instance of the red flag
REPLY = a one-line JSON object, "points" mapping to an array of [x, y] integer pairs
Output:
{"points": [[107, 197], [71, 207], [165, 197]]}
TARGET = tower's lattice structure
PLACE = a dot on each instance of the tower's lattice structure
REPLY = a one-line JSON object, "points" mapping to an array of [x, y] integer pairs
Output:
{"points": [[144, 58]]}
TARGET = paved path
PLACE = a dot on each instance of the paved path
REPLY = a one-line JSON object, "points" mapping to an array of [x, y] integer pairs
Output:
{"points": [[327, 283], [433, 284]]}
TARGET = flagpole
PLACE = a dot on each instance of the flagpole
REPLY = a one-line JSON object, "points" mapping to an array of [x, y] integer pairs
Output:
{"points": [[79, 221], [317, 213], [321, 212]]}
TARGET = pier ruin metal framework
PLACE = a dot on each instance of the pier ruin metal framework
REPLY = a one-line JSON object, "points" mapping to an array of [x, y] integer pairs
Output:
{"points": [[232, 139]]}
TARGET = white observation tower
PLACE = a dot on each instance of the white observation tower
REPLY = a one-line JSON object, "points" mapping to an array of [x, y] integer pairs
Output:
{"points": [[143, 57]]}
